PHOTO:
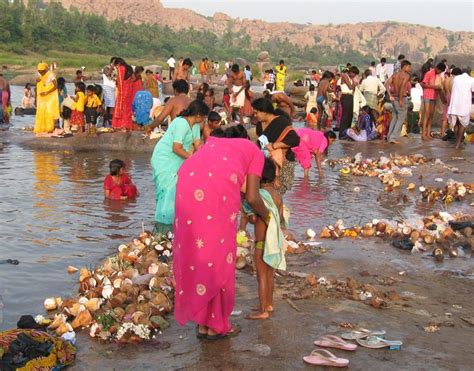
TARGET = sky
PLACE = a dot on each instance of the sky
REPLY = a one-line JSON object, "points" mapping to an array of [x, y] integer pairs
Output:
{"points": [[452, 15]]}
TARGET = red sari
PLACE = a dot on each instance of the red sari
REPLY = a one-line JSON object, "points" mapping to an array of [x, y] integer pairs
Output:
{"points": [[124, 188], [122, 118], [137, 85]]}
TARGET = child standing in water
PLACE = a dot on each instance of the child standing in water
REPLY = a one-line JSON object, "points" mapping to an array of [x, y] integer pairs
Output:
{"points": [[270, 244], [118, 184]]}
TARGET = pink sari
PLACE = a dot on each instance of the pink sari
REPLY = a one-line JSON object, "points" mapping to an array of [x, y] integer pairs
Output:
{"points": [[311, 141], [207, 205]]}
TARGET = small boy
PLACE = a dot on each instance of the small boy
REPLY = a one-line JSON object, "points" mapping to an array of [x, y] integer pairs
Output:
{"points": [[93, 104], [213, 122], [270, 243]]}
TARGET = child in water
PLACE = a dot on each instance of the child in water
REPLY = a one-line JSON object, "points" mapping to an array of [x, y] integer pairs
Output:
{"points": [[270, 244], [118, 184]]}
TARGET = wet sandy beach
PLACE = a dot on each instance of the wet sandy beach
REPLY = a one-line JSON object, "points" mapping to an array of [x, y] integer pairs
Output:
{"points": [[54, 215]]}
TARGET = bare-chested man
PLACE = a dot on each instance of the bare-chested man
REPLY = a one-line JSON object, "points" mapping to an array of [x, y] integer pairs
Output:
{"points": [[175, 105], [236, 85], [399, 87], [324, 88], [447, 86], [282, 100], [182, 71]]}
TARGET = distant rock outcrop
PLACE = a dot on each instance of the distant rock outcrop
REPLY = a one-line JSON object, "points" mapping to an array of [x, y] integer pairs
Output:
{"points": [[375, 39]]}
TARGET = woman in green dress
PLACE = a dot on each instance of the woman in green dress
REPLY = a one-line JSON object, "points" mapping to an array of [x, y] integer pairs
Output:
{"points": [[181, 139]]}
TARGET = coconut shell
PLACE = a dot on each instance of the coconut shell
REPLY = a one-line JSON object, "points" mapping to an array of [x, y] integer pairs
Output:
{"points": [[131, 308], [85, 273], [136, 316], [84, 319], [368, 232], [414, 236], [429, 239], [381, 227], [159, 299], [325, 233], [93, 305], [467, 232], [119, 313], [62, 329]]}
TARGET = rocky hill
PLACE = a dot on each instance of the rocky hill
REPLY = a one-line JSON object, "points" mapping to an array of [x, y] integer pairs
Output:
{"points": [[375, 39]]}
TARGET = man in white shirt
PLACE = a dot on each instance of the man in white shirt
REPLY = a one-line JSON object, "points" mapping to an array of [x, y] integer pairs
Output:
{"points": [[171, 65], [460, 104], [371, 87], [381, 71]]}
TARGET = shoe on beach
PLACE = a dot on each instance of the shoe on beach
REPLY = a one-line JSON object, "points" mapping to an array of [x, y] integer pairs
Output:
{"points": [[374, 342], [322, 357], [361, 334], [236, 329], [330, 341]]}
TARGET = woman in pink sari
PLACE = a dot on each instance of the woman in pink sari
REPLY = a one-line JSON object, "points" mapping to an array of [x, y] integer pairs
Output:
{"points": [[122, 118], [208, 199]]}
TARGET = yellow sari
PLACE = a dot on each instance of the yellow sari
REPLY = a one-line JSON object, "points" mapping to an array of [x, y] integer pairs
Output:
{"points": [[47, 107], [280, 78]]}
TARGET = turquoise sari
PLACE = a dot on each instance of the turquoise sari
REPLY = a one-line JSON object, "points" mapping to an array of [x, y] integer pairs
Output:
{"points": [[166, 163]]}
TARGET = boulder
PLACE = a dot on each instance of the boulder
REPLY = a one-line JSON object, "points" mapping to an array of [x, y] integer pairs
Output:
{"points": [[263, 57]]}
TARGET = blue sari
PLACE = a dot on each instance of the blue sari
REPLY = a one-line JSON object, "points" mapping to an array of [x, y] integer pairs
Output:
{"points": [[141, 107]]}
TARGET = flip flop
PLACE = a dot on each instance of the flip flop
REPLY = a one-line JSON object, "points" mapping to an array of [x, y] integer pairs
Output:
{"points": [[375, 342], [362, 333], [236, 329], [322, 357], [330, 341], [200, 335]]}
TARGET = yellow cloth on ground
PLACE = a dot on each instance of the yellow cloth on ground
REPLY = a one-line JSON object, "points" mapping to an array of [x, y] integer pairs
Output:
{"points": [[47, 107]]}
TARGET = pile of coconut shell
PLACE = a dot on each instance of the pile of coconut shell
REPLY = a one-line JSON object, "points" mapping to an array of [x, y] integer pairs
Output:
{"points": [[126, 298], [305, 287], [398, 165], [453, 191], [440, 230]]}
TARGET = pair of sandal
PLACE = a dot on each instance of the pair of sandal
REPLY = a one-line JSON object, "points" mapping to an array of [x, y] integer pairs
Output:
{"points": [[372, 339], [364, 337], [235, 330], [323, 357]]}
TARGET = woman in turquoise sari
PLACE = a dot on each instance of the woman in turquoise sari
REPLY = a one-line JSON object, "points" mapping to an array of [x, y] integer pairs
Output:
{"points": [[179, 142]]}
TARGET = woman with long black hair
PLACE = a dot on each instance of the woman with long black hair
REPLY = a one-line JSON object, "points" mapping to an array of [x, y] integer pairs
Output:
{"points": [[277, 137], [179, 142]]}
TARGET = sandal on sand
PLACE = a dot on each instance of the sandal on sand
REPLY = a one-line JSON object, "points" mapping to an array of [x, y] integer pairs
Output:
{"points": [[322, 357], [330, 341], [236, 329], [200, 335], [362, 333], [375, 342]]}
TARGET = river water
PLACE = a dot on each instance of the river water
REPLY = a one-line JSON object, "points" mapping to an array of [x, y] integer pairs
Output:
{"points": [[53, 214]]}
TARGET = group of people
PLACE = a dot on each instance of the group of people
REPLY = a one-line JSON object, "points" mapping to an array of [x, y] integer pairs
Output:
{"points": [[376, 105], [127, 98]]}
